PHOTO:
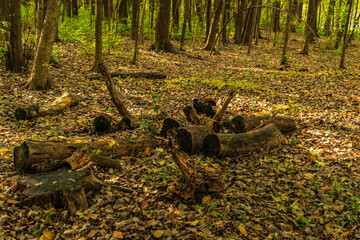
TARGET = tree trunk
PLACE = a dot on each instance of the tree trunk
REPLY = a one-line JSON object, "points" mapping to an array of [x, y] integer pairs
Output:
{"points": [[135, 4], [311, 22], [4, 20], [59, 105], [346, 28], [329, 17], [176, 15], [286, 34], [276, 17], [249, 26], [162, 30], [75, 9], [15, 48], [233, 145], [239, 21], [98, 36], [225, 17], [123, 12], [67, 5], [190, 139], [208, 18], [294, 15], [214, 26], [39, 79], [187, 9]]}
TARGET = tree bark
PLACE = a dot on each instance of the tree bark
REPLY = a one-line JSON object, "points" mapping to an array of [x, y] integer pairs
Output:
{"points": [[239, 21], [176, 15], [75, 8], [208, 4], [286, 34], [190, 138], [135, 18], [214, 26], [4, 19], [233, 145], [329, 17], [15, 48], [249, 26], [276, 17], [98, 36], [346, 28], [311, 21], [187, 9], [39, 79], [59, 105], [162, 29]]}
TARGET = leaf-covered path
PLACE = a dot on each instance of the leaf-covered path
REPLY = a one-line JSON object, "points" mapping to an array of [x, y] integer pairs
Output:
{"points": [[309, 188]]}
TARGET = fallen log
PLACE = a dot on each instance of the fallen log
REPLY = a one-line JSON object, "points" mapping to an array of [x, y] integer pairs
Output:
{"points": [[205, 106], [240, 124], [192, 117], [38, 157], [59, 105], [105, 124], [62, 188], [170, 123], [232, 145], [190, 139], [146, 75]]}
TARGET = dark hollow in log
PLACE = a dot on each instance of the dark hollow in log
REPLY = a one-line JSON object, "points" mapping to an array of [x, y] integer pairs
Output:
{"points": [[240, 124], [38, 157], [62, 188], [205, 106], [190, 139], [102, 123], [168, 124], [59, 105], [232, 145]]}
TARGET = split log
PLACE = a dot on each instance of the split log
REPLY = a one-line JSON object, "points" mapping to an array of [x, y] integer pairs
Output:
{"points": [[37, 157], [232, 145], [146, 75], [198, 181], [59, 105], [220, 114], [62, 188], [115, 96], [192, 117], [240, 124], [190, 139], [205, 106], [170, 123]]}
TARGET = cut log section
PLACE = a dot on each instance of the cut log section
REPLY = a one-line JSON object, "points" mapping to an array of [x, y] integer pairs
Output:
{"points": [[62, 188], [59, 105], [190, 139], [105, 124], [170, 123], [146, 75], [205, 106], [240, 124], [232, 145], [38, 157], [192, 117]]}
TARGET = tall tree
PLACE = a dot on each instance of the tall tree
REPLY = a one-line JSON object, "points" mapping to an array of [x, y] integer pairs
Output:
{"points": [[276, 17], [329, 17], [214, 26], [75, 7], [175, 15], [186, 16], [311, 27], [39, 79], [208, 4], [162, 29], [98, 35], [250, 23], [4, 20], [135, 4], [346, 27], [15, 48], [239, 21], [286, 34]]}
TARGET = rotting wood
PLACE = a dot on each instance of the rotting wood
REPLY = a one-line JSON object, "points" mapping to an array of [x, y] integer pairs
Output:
{"points": [[38, 157], [220, 114], [59, 105], [62, 188], [240, 124], [190, 138], [192, 117], [115, 96], [205, 106], [146, 75], [170, 123], [103, 123], [232, 145]]}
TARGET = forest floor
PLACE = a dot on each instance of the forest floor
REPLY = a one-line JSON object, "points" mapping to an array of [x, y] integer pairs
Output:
{"points": [[309, 188]]}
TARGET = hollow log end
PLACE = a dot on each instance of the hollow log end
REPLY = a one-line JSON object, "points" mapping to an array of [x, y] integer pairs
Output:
{"points": [[238, 124], [20, 114], [211, 145], [102, 123], [168, 124], [21, 156], [184, 140]]}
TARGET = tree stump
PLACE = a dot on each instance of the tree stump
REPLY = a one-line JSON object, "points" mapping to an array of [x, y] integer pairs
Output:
{"points": [[59, 105], [232, 145]]}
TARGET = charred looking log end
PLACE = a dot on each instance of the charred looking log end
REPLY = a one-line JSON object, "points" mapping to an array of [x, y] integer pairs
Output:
{"points": [[168, 124], [20, 114], [102, 123], [184, 139], [21, 156], [211, 146]]}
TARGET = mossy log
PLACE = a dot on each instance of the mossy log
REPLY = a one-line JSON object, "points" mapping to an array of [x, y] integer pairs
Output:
{"points": [[59, 105], [61, 188], [240, 124], [190, 138], [38, 157], [232, 145]]}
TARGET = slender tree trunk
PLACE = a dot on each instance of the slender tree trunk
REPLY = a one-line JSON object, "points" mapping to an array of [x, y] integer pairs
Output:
{"points": [[75, 8], [123, 12], [16, 53], [162, 29], [106, 9], [239, 21], [135, 4], [67, 5], [175, 15], [199, 12], [339, 27], [152, 13], [141, 37], [342, 59], [214, 26], [39, 79], [186, 16], [225, 17], [293, 13], [249, 27], [257, 22], [286, 34], [329, 17], [208, 18], [4, 19], [311, 21], [98, 35], [276, 17]]}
